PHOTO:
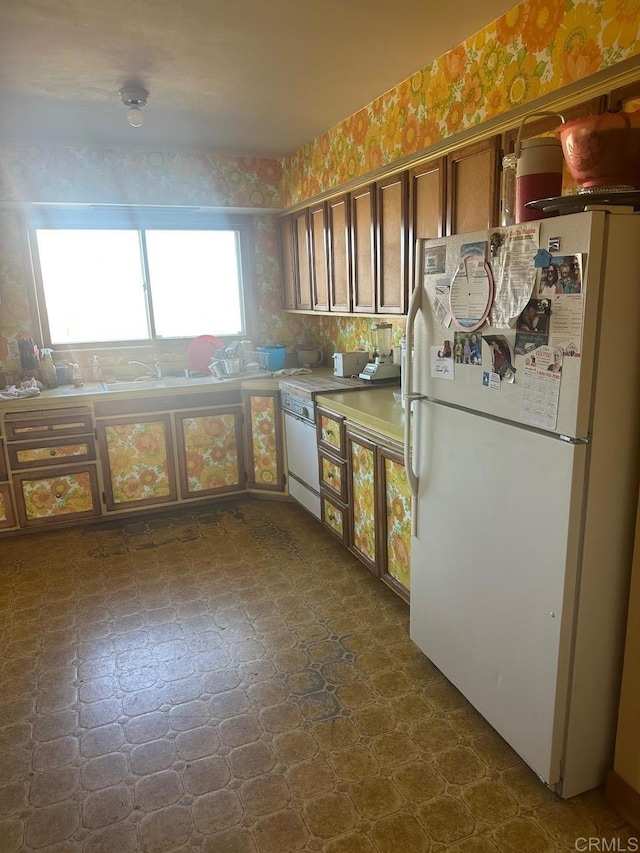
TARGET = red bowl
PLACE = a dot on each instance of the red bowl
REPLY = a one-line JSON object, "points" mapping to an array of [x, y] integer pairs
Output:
{"points": [[604, 150]]}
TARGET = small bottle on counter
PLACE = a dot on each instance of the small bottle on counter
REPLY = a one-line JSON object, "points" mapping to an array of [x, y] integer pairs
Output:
{"points": [[47, 368], [76, 375], [96, 370]]}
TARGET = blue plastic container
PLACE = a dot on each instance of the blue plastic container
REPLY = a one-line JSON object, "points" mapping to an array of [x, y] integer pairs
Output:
{"points": [[275, 356]]}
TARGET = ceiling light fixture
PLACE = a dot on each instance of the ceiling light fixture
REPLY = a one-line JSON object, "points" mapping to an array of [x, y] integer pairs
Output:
{"points": [[134, 98]]}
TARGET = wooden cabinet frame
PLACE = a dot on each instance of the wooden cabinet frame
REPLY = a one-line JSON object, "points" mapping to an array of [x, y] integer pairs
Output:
{"points": [[382, 532], [318, 245], [53, 473], [180, 417], [472, 181], [303, 259], [110, 502], [287, 254], [16, 447], [3, 463], [278, 485], [371, 564], [363, 249], [339, 238], [7, 500], [392, 241]]}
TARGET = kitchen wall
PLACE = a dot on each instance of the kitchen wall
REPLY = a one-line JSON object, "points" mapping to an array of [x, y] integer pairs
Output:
{"points": [[79, 175], [536, 48]]}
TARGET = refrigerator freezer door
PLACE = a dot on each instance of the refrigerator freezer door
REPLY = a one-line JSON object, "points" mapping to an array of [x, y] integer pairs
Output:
{"points": [[493, 571]]}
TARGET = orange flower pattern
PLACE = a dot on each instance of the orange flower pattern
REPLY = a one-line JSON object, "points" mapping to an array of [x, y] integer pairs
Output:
{"points": [[69, 493], [263, 435], [363, 465], [535, 48], [211, 448], [4, 513], [333, 517], [138, 461], [398, 500], [38, 453]]}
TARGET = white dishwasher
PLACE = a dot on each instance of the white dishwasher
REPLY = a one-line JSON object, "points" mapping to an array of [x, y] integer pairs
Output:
{"points": [[302, 452]]}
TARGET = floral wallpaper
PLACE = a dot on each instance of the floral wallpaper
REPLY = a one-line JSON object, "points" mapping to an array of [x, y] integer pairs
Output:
{"points": [[398, 501], [62, 495], [211, 452], [138, 461], [535, 48], [263, 435], [363, 465]]}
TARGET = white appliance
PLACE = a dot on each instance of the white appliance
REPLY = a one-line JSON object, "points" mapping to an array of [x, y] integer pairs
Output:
{"points": [[302, 452], [348, 364], [523, 536]]}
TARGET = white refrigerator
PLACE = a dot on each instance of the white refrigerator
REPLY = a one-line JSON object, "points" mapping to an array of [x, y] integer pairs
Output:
{"points": [[524, 523]]}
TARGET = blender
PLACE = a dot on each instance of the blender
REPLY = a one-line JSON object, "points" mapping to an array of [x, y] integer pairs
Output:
{"points": [[382, 366]]}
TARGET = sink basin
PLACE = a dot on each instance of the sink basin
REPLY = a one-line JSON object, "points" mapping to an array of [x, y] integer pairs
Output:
{"points": [[151, 384]]}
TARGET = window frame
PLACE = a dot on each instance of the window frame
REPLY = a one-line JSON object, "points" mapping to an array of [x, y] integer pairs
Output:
{"points": [[138, 218]]}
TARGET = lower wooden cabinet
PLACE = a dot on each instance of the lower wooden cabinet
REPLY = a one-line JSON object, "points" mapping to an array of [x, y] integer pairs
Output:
{"points": [[334, 516], [264, 441], [361, 465], [394, 533], [50, 496], [210, 452], [7, 514], [137, 461]]}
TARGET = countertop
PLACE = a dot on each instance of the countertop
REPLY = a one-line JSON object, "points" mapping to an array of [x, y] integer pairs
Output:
{"points": [[319, 381], [92, 391], [374, 408]]}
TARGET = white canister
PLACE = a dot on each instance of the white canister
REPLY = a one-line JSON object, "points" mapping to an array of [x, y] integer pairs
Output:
{"points": [[538, 174]]}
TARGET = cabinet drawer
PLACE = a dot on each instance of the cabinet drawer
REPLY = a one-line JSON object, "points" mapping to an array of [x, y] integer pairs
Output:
{"points": [[333, 477], [44, 497], [23, 425], [53, 451], [7, 515], [331, 433], [334, 516]]}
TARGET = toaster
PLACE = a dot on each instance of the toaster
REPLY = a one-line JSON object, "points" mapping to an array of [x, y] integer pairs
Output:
{"points": [[349, 363]]}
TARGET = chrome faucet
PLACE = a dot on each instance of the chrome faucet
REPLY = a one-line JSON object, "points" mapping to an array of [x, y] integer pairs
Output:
{"points": [[152, 371]]}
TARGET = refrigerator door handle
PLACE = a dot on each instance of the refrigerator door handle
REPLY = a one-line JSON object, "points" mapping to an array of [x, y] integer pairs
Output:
{"points": [[415, 306]]}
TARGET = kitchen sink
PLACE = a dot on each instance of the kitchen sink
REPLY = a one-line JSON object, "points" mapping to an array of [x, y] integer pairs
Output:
{"points": [[151, 383]]}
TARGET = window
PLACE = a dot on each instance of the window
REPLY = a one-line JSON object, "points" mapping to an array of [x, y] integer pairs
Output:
{"points": [[133, 276]]}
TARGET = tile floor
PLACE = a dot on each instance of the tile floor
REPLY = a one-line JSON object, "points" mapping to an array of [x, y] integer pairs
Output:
{"points": [[231, 680]]}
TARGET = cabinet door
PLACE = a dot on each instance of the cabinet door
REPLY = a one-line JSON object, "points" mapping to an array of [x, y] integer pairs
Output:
{"points": [[3, 463], [288, 255], [319, 256], [210, 452], [394, 559], [303, 258], [361, 461], [427, 199], [265, 463], [7, 515], [472, 187], [363, 252], [137, 461], [47, 497], [391, 236], [339, 253]]}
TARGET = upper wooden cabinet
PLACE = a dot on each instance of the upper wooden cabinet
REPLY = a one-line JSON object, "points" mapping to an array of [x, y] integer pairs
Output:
{"points": [[303, 258], [472, 187], [339, 237], [427, 199], [392, 241], [318, 241], [288, 253], [363, 249]]}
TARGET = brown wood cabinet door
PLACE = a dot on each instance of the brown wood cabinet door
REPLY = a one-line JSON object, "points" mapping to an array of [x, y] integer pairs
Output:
{"points": [[319, 259], [363, 250], [394, 516], [361, 465], [339, 254], [3, 463], [7, 514], [472, 187], [264, 441], [303, 258], [427, 199], [210, 452], [392, 240], [288, 255]]}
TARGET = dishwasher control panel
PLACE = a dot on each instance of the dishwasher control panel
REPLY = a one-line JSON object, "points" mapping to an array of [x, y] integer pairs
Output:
{"points": [[304, 409]]}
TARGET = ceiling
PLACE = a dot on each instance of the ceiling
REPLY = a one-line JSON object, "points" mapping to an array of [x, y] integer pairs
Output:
{"points": [[239, 77]]}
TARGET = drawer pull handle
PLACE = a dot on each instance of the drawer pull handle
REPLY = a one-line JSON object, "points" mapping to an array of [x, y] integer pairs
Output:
{"points": [[58, 495], [52, 453], [329, 432], [330, 476]]}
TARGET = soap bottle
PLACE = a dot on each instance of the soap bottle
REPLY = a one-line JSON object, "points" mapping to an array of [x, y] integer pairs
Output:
{"points": [[76, 375], [96, 370], [47, 368]]}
